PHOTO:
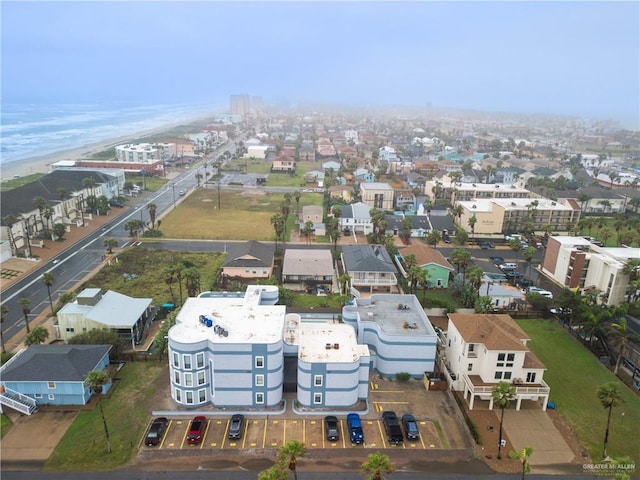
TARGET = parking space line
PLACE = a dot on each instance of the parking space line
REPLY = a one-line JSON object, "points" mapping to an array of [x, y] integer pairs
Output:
{"points": [[206, 430], [384, 443], [264, 434], [165, 435], [224, 437], [184, 436]]}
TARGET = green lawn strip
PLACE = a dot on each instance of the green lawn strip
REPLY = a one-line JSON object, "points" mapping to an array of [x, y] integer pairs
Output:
{"points": [[150, 282], [574, 374], [151, 184], [443, 438], [316, 301], [5, 425], [84, 447], [18, 182]]}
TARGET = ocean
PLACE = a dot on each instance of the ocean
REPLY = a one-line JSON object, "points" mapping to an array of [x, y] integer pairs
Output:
{"points": [[32, 130]]}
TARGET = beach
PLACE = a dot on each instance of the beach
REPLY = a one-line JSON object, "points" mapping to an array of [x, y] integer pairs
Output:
{"points": [[42, 163]]}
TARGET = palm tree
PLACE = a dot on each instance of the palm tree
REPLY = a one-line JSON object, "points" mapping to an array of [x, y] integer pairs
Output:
{"points": [[461, 258], [152, 208], [307, 229], [523, 455], [48, 280], [110, 243], [377, 465], [25, 302], [605, 234], [502, 394], [610, 396], [528, 254], [296, 196], [4, 310], [289, 453], [275, 472], [343, 280], [516, 245], [66, 297], [37, 336], [434, 237], [472, 224], [621, 336], [475, 275], [96, 379], [279, 222]]}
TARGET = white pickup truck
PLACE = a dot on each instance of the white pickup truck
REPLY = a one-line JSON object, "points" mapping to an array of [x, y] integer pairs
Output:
{"points": [[513, 236]]}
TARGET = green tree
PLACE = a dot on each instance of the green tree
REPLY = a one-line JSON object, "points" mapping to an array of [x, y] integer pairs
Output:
{"points": [[152, 208], [24, 303], [343, 280], [434, 237], [59, 230], [275, 472], [96, 380], [296, 196], [472, 223], [134, 227], [48, 280], [528, 255], [461, 258], [110, 243], [475, 275], [102, 336], [605, 234], [516, 245], [289, 454], [610, 396], [279, 223], [621, 335], [377, 465], [523, 455], [307, 230], [502, 395], [37, 336], [484, 304], [64, 298]]}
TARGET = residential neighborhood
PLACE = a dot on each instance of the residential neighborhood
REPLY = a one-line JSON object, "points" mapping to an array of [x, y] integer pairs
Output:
{"points": [[356, 252]]}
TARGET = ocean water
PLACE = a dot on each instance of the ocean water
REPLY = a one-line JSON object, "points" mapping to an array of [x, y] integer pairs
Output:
{"points": [[31, 130]]}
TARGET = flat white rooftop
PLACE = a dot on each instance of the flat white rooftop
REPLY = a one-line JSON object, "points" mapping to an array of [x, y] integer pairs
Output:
{"points": [[396, 314], [245, 320], [329, 343]]}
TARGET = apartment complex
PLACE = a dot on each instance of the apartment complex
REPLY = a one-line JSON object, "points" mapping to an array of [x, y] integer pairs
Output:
{"points": [[505, 215], [575, 262], [458, 191]]}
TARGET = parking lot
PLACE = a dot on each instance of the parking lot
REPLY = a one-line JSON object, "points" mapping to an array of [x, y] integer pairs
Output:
{"points": [[440, 425]]}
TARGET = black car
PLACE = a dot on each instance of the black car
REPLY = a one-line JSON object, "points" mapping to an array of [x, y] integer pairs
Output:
{"points": [[524, 283], [487, 245], [331, 428], [513, 274], [235, 427], [392, 427], [410, 427], [156, 431]]}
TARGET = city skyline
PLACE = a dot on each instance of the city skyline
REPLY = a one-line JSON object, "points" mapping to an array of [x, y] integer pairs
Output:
{"points": [[560, 58]]}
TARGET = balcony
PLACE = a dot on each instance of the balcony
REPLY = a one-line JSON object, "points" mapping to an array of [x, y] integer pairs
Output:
{"points": [[540, 388]]}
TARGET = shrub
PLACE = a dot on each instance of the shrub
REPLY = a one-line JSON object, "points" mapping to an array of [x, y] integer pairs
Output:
{"points": [[403, 376]]}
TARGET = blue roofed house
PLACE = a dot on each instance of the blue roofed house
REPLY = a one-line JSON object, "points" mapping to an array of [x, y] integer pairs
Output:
{"points": [[369, 268], [51, 375], [356, 218], [364, 175]]}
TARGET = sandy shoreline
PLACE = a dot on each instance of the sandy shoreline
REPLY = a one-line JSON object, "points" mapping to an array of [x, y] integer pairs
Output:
{"points": [[40, 164]]}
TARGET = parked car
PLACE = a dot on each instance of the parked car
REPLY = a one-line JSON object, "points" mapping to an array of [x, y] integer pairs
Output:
{"points": [[156, 431], [392, 427], [497, 260], [356, 435], [331, 429], [540, 291], [410, 427], [508, 266], [485, 245], [524, 283], [195, 433], [513, 274], [235, 427], [513, 236]]}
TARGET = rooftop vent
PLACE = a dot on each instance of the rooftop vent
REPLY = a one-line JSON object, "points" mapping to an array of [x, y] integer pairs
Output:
{"points": [[474, 206]]}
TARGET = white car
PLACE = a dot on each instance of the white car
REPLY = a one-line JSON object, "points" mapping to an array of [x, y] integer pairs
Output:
{"points": [[540, 291]]}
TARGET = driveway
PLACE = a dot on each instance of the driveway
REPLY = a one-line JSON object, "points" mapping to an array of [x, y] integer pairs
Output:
{"points": [[19, 450]]}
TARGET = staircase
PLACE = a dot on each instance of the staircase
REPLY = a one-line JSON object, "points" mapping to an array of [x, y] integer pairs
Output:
{"points": [[18, 401]]}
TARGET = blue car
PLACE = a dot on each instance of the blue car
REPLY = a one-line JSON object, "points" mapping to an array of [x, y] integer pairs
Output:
{"points": [[355, 428]]}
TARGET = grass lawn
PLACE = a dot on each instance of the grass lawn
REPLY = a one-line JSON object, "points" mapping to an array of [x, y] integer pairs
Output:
{"points": [[18, 182], [241, 216], [574, 374], [608, 222], [152, 184], [84, 447], [5, 425], [149, 282]]}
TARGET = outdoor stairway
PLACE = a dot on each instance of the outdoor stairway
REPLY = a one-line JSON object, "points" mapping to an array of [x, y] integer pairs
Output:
{"points": [[17, 401]]}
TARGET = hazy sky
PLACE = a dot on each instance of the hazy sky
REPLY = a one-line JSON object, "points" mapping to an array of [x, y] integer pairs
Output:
{"points": [[535, 57]]}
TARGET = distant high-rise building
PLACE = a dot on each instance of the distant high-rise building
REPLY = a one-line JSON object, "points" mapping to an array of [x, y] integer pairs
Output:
{"points": [[240, 105]]}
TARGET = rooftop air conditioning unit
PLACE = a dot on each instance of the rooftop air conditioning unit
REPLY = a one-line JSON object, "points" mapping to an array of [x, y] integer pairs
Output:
{"points": [[474, 206]]}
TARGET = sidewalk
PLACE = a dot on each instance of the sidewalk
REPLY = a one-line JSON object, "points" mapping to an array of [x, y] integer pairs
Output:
{"points": [[15, 269]]}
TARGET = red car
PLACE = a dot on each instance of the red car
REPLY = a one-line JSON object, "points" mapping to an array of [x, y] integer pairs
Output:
{"points": [[196, 430]]}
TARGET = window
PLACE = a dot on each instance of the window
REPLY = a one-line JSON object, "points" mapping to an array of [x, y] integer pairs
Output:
{"points": [[259, 362], [189, 397], [317, 398], [188, 380], [51, 396], [507, 375], [178, 396], [70, 329], [37, 395], [200, 360], [259, 380], [501, 357], [202, 396], [51, 385], [260, 398], [531, 377], [186, 360], [510, 358], [176, 360], [469, 367], [498, 376], [317, 380], [176, 377], [201, 378]]}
